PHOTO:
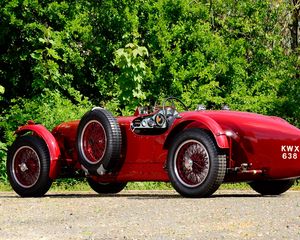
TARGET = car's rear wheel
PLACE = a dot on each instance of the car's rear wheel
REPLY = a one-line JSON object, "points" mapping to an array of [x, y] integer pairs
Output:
{"points": [[28, 165], [106, 188], [194, 166], [272, 187], [99, 141]]}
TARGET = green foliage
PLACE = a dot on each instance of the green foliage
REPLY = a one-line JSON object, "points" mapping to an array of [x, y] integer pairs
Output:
{"points": [[119, 54], [81, 185], [49, 108], [257, 63], [70, 184], [1, 90], [148, 186], [40, 37], [3, 150], [212, 52], [3, 175], [132, 74]]}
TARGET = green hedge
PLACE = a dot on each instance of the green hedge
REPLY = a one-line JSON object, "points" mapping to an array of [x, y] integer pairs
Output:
{"points": [[58, 58]]}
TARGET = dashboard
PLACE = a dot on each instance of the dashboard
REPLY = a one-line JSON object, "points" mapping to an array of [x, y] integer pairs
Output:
{"points": [[154, 123]]}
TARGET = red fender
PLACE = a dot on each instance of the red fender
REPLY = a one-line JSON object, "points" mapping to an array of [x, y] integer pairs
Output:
{"points": [[197, 120], [51, 143]]}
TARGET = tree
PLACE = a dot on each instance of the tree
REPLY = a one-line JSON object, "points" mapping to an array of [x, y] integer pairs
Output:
{"points": [[295, 24], [64, 56]]}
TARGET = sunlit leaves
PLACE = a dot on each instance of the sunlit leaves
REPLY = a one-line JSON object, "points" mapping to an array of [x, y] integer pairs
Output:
{"points": [[132, 72], [121, 53]]}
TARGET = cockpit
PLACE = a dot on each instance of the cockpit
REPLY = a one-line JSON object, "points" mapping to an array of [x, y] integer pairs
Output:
{"points": [[157, 119]]}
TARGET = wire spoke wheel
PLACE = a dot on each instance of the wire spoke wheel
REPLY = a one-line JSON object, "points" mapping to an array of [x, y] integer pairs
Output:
{"points": [[194, 166], [26, 167], [93, 141], [191, 163]]}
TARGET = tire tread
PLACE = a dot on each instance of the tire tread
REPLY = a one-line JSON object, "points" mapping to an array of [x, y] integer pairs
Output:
{"points": [[44, 182], [216, 174]]}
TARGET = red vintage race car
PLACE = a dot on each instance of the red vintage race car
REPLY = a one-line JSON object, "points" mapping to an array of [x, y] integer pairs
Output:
{"points": [[196, 151]]}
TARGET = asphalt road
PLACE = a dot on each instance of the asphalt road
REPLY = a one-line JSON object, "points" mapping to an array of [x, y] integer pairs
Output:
{"points": [[150, 215]]}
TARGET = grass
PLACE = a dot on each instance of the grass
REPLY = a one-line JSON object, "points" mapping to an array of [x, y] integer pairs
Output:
{"points": [[69, 185], [235, 186], [5, 187], [83, 186], [296, 186], [59, 186]]}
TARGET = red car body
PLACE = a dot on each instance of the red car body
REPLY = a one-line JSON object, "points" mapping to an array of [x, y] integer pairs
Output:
{"points": [[256, 147]]}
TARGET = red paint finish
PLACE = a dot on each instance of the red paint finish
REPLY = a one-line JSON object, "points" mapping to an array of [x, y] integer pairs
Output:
{"points": [[51, 143], [256, 146], [144, 155], [65, 135], [200, 120], [259, 141]]}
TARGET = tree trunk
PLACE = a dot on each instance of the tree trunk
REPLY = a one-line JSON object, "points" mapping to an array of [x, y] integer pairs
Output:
{"points": [[295, 24]]}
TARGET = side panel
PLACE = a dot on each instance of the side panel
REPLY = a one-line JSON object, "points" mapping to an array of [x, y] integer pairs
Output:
{"points": [[51, 143], [275, 151], [267, 144], [65, 135], [143, 156]]}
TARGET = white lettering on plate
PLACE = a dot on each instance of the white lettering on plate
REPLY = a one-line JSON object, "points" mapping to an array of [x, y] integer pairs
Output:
{"points": [[289, 151]]}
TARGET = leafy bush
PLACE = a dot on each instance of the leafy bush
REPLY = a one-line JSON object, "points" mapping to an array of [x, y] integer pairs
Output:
{"points": [[50, 108], [132, 74], [3, 175], [3, 149], [212, 52], [119, 53]]}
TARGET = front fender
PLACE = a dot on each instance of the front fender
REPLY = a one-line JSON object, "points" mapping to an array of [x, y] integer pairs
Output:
{"points": [[194, 120], [51, 143]]}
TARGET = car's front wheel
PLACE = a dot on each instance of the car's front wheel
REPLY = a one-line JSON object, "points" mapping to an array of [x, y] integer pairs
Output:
{"points": [[272, 187], [28, 164], [194, 166]]}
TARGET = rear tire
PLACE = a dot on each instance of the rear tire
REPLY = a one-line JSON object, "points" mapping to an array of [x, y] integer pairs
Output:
{"points": [[272, 187], [28, 164], [106, 188], [194, 166]]}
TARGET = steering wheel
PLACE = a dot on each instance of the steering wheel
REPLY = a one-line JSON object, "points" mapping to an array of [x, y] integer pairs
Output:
{"points": [[173, 108]]}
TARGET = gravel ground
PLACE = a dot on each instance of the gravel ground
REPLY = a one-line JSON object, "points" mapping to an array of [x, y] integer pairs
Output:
{"points": [[150, 215]]}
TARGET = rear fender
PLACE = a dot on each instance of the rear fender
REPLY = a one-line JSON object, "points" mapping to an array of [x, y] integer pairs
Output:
{"points": [[51, 143], [199, 121]]}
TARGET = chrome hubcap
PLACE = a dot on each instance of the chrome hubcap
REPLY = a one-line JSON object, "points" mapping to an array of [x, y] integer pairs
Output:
{"points": [[23, 167], [188, 164]]}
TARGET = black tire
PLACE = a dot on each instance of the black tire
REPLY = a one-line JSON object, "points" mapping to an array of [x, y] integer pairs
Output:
{"points": [[194, 166], [272, 187], [106, 188], [28, 164], [99, 141]]}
